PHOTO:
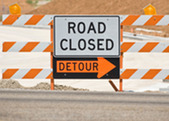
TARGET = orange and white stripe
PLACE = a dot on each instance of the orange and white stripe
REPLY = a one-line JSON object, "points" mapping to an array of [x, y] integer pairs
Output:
{"points": [[144, 74], [144, 20], [47, 19], [27, 19], [27, 47], [145, 47], [47, 74], [48, 47], [27, 74]]}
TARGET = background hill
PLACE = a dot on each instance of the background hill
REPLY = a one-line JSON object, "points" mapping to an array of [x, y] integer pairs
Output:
{"points": [[94, 7], [101, 7], [107, 7]]}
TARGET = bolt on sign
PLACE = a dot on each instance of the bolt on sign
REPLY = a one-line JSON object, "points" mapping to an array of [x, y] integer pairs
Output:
{"points": [[86, 47]]}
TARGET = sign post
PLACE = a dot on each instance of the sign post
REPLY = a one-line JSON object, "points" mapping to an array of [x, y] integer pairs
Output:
{"points": [[86, 47], [51, 56]]}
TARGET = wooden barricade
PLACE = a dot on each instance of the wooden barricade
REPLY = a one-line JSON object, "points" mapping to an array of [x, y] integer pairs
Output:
{"points": [[141, 47]]}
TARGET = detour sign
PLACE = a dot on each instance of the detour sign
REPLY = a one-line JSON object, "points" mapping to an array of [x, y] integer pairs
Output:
{"points": [[86, 68], [101, 67]]}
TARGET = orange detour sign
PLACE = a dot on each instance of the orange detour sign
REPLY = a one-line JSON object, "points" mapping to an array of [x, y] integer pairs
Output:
{"points": [[101, 66], [88, 68]]}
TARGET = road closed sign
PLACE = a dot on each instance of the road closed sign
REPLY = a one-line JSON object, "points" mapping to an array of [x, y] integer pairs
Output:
{"points": [[86, 47], [87, 36]]}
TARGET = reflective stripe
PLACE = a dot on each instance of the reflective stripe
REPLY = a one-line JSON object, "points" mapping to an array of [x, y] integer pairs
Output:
{"points": [[20, 73], [17, 46], [4, 16], [136, 47], [164, 20], [124, 19], [46, 20], [160, 47], [27, 73], [162, 74], [41, 47], [3, 70], [144, 47], [139, 73], [47, 47], [27, 47], [22, 20], [43, 74], [144, 73], [142, 20]]}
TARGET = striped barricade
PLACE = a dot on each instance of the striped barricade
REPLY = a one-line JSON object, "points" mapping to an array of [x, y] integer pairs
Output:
{"points": [[27, 19], [144, 73], [145, 47], [48, 47], [47, 73], [27, 74], [27, 47], [146, 20], [47, 19]]}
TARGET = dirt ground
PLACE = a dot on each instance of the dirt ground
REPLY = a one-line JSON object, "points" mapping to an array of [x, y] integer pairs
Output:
{"points": [[101, 7], [13, 84], [119, 7]]}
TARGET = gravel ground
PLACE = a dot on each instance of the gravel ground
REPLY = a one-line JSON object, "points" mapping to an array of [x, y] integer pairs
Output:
{"points": [[13, 84]]}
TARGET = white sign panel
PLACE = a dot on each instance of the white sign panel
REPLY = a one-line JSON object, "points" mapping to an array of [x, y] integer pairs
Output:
{"points": [[87, 36]]}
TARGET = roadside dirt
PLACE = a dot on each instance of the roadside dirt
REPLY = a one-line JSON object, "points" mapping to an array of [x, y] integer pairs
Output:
{"points": [[101, 7], [13, 84], [119, 7]]}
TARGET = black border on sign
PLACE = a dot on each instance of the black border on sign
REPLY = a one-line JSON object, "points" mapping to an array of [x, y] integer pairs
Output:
{"points": [[85, 56]]}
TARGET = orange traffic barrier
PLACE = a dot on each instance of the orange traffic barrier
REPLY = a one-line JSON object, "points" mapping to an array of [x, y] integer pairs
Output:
{"points": [[27, 74], [101, 66], [47, 20], [162, 47], [157, 20], [144, 74]]}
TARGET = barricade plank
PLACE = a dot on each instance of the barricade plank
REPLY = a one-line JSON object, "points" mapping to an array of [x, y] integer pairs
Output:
{"points": [[47, 74], [27, 47], [27, 74], [160, 47], [141, 20], [144, 74]]}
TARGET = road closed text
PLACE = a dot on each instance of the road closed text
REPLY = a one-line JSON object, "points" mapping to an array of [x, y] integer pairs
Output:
{"points": [[91, 44], [82, 43], [86, 37]]}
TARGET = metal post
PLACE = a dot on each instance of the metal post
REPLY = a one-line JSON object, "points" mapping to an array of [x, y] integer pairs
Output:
{"points": [[51, 56], [121, 61]]}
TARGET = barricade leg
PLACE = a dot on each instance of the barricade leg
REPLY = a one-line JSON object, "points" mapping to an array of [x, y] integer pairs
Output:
{"points": [[121, 61], [113, 85], [51, 57]]}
